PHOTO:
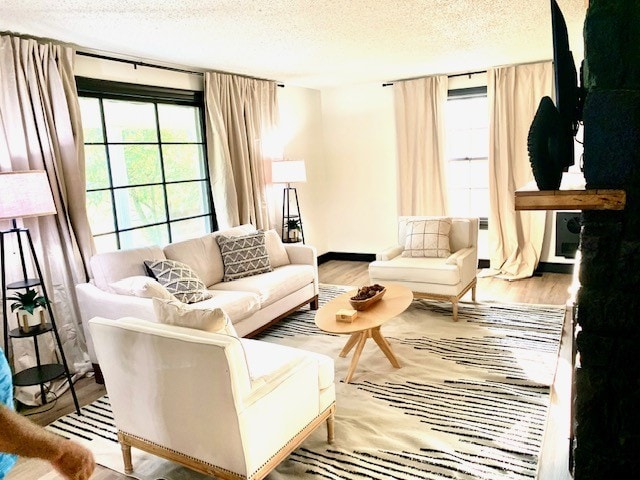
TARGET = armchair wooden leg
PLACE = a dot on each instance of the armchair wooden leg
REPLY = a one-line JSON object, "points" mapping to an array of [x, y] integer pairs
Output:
{"points": [[473, 293], [455, 310], [126, 457], [330, 428], [313, 305]]}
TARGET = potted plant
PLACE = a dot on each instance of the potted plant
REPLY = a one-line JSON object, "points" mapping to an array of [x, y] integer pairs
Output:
{"points": [[293, 229], [30, 309]]}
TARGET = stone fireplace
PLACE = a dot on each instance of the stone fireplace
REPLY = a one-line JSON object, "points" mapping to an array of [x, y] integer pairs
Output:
{"points": [[607, 376]]}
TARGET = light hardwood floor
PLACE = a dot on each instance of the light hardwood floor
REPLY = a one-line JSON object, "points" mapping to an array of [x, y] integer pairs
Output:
{"points": [[549, 288]]}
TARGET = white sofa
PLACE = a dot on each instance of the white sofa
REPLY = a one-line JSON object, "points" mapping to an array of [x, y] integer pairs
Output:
{"points": [[445, 278], [252, 303], [218, 404]]}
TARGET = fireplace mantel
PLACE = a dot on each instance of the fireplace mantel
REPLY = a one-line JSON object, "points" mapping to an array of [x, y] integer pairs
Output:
{"points": [[572, 195]]}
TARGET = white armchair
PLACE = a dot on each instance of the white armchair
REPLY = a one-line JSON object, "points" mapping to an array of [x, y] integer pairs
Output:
{"points": [[447, 278], [225, 406]]}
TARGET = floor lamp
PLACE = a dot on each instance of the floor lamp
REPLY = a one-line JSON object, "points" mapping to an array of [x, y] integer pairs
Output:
{"points": [[292, 171], [28, 194]]}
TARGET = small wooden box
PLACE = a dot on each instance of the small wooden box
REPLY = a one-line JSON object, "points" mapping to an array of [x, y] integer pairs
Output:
{"points": [[346, 315]]}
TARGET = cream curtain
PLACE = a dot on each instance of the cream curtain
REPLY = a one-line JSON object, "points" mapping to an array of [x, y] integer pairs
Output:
{"points": [[515, 237], [40, 129], [419, 111], [240, 113]]}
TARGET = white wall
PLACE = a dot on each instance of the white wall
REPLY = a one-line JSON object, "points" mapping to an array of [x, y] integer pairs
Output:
{"points": [[359, 194]]}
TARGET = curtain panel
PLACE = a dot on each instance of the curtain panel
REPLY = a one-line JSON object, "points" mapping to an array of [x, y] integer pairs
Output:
{"points": [[40, 129], [419, 111], [240, 113], [515, 237]]}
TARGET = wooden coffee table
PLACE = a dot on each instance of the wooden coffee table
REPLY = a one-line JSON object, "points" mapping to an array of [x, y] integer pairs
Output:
{"points": [[367, 324]]}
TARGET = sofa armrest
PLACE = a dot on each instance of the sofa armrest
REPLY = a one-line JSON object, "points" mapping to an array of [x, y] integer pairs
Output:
{"points": [[301, 254], [94, 302], [389, 253]]}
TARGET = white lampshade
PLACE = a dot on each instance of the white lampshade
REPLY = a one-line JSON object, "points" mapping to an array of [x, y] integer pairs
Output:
{"points": [[25, 194], [291, 171]]}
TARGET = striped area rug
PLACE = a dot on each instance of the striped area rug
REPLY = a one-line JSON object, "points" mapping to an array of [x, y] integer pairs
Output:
{"points": [[470, 401]]}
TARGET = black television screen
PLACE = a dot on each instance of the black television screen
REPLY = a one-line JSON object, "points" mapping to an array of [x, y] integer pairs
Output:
{"points": [[552, 131]]}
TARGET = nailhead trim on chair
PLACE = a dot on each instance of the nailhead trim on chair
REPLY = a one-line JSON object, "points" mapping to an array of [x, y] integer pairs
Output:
{"points": [[215, 467]]}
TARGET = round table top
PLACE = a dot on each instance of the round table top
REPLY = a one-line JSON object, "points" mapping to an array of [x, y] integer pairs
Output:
{"points": [[395, 301]]}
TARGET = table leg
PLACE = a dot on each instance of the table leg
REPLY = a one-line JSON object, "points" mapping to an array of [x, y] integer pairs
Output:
{"points": [[384, 346], [350, 343], [362, 338]]}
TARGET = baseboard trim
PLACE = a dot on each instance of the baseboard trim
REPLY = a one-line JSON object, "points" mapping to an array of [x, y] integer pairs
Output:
{"points": [[543, 267], [346, 256]]}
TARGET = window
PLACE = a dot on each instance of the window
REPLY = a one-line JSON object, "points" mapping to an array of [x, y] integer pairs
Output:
{"points": [[467, 134], [146, 168]]}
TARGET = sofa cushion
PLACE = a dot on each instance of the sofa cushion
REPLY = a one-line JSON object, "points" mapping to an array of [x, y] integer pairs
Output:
{"points": [[243, 256], [418, 270], [275, 248], [141, 286], [427, 238], [272, 286], [237, 304], [173, 312], [110, 267], [179, 279]]}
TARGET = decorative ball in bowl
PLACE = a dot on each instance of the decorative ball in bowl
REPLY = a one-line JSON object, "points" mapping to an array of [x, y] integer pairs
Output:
{"points": [[367, 296]]}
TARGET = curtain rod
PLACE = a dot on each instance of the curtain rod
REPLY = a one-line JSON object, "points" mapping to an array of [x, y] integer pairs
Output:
{"points": [[448, 76], [137, 63]]}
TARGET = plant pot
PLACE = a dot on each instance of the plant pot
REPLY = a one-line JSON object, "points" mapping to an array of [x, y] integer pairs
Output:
{"points": [[28, 321]]}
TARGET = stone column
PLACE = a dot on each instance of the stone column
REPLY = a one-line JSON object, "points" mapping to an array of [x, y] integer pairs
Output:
{"points": [[607, 403]]}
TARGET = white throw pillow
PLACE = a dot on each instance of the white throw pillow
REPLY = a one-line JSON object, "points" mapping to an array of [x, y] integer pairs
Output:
{"points": [[141, 286], [173, 312], [275, 248], [427, 238]]}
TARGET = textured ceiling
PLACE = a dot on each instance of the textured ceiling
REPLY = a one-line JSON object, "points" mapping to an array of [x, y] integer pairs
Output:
{"points": [[305, 42]]}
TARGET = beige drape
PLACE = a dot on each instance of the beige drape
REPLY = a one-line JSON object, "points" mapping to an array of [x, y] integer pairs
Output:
{"points": [[515, 237], [240, 113], [419, 111], [40, 129]]}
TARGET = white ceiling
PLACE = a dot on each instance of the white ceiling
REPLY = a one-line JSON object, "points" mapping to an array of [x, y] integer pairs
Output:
{"points": [[306, 43]]}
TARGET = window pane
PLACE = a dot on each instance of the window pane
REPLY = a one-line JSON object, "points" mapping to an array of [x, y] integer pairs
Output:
{"points": [[134, 164], [142, 237], [105, 243], [130, 122], [459, 202], [479, 202], [458, 174], [139, 206], [183, 162], [179, 123], [479, 173], [91, 120], [187, 199], [96, 168], [100, 212], [478, 143], [192, 228]]}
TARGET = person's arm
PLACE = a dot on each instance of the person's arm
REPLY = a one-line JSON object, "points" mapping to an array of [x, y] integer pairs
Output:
{"points": [[20, 436]]}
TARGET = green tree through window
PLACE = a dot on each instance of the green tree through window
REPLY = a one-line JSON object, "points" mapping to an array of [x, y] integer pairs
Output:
{"points": [[146, 168]]}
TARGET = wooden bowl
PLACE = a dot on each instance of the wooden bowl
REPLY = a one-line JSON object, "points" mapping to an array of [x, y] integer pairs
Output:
{"points": [[364, 304]]}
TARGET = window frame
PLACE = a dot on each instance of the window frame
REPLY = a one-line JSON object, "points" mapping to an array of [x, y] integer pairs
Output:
{"points": [[470, 92], [111, 90]]}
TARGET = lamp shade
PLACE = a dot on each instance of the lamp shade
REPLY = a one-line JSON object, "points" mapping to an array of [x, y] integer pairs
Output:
{"points": [[25, 194], [291, 171]]}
